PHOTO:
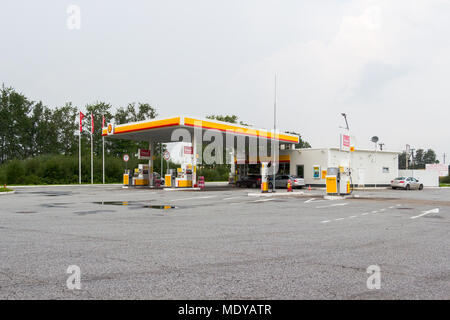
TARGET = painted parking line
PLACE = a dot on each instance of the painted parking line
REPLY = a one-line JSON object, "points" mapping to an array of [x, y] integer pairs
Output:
{"points": [[426, 212], [333, 205], [193, 198], [313, 200], [364, 213], [263, 200], [232, 198]]}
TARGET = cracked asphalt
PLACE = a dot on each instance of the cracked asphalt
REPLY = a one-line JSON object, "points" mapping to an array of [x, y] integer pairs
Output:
{"points": [[223, 244]]}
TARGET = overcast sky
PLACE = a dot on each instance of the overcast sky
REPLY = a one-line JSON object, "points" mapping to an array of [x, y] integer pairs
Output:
{"points": [[384, 63]]}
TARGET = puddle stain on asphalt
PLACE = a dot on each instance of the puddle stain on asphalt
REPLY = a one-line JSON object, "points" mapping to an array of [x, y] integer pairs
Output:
{"points": [[49, 194], [135, 205], [55, 205], [83, 213]]}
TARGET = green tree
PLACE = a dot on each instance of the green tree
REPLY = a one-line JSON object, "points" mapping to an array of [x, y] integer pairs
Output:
{"points": [[429, 157], [302, 143]]}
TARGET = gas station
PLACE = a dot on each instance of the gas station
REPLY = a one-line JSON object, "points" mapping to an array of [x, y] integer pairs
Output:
{"points": [[237, 140]]}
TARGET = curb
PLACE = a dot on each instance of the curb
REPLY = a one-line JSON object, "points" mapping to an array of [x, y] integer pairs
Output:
{"points": [[269, 194], [7, 192], [69, 185], [181, 189]]}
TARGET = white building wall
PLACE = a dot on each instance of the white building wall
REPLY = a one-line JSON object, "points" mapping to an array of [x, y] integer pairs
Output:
{"points": [[370, 167], [308, 158], [367, 166], [429, 178]]}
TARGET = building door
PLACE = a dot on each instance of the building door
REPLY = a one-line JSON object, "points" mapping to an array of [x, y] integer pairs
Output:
{"points": [[301, 171], [361, 176]]}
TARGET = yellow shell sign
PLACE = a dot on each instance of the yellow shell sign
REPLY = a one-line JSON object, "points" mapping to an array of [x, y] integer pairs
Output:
{"points": [[110, 128]]}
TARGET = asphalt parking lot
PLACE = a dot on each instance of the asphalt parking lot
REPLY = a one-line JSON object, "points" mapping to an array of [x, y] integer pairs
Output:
{"points": [[223, 244]]}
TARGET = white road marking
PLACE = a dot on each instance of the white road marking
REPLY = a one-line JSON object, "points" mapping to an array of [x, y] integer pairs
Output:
{"points": [[398, 205], [391, 207], [426, 212], [333, 205], [263, 200], [382, 210], [192, 198], [231, 198], [325, 221], [375, 211], [352, 216], [313, 199], [364, 214], [339, 219]]}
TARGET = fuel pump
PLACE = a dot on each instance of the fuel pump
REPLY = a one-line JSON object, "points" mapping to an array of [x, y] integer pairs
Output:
{"points": [[264, 177], [338, 181]]}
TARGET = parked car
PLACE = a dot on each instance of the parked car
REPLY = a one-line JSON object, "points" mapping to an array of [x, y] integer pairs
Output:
{"points": [[406, 183], [250, 181], [282, 180]]}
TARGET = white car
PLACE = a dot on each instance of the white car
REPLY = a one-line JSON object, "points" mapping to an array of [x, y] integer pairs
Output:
{"points": [[406, 183]]}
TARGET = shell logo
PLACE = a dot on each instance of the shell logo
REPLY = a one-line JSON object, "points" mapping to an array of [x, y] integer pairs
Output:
{"points": [[110, 128]]}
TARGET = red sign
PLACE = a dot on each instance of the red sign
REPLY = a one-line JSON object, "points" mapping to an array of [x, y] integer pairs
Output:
{"points": [[144, 153], [188, 150], [346, 141]]}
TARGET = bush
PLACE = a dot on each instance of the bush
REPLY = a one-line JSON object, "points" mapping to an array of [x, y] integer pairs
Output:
{"points": [[14, 172], [59, 169], [219, 173], [444, 179]]}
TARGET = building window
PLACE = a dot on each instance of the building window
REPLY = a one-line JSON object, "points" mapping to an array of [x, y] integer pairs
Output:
{"points": [[301, 171], [385, 169], [284, 168]]}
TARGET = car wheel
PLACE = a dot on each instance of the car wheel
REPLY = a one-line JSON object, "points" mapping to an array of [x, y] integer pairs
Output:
{"points": [[394, 188], [254, 185], [408, 187], [421, 187]]}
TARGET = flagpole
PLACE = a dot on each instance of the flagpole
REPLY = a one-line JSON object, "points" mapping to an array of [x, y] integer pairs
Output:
{"points": [[81, 115], [103, 149], [79, 157], [92, 162], [103, 144], [92, 151]]}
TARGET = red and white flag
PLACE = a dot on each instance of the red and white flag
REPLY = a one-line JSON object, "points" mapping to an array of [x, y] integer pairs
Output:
{"points": [[81, 121], [103, 122]]}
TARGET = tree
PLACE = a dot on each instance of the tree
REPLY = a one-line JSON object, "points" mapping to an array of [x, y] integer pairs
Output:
{"points": [[301, 143], [430, 157], [419, 161], [132, 113]]}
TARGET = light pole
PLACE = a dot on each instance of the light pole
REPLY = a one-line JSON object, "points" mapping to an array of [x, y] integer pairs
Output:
{"points": [[274, 130]]}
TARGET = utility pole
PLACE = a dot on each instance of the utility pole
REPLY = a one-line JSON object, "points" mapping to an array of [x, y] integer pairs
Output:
{"points": [[412, 158], [274, 130], [444, 157], [407, 155]]}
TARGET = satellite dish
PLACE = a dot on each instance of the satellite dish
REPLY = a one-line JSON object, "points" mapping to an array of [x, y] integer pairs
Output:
{"points": [[374, 139]]}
